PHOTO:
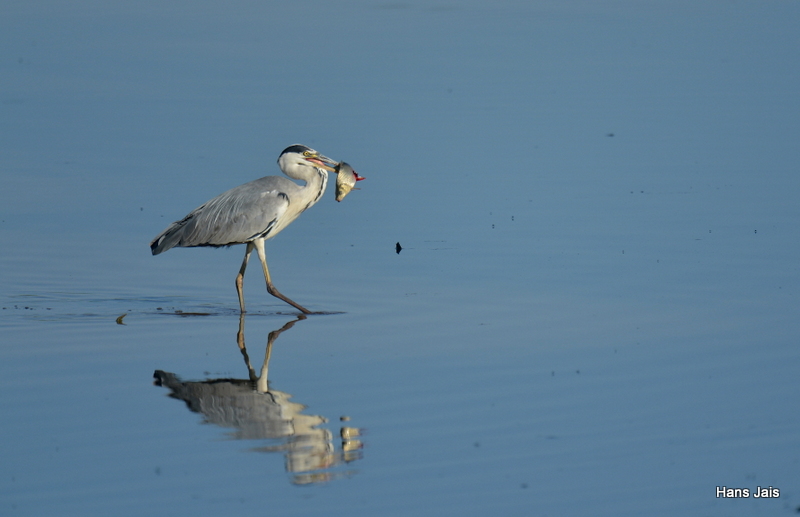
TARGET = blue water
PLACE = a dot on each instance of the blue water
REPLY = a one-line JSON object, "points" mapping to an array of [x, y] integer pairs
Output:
{"points": [[594, 311]]}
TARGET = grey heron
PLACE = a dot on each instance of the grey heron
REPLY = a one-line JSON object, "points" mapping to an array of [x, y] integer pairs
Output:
{"points": [[254, 212]]}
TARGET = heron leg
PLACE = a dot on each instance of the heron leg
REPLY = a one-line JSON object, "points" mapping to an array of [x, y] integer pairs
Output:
{"points": [[259, 245], [261, 383], [240, 276]]}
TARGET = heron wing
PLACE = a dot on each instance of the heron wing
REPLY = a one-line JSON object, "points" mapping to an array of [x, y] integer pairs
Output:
{"points": [[239, 215]]}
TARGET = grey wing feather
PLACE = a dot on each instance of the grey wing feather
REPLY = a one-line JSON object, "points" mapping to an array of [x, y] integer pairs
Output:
{"points": [[239, 215]]}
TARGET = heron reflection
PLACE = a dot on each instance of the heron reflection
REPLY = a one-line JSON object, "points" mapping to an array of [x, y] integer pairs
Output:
{"points": [[254, 411]]}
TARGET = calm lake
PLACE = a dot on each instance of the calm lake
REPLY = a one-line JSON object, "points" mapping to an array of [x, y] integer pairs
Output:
{"points": [[594, 310]]}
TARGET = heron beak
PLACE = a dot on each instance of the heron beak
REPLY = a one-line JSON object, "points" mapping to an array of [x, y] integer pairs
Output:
{"points": [[323, 162]]}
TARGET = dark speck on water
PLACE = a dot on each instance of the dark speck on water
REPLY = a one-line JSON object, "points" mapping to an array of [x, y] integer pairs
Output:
{"points": [[398, 248]]}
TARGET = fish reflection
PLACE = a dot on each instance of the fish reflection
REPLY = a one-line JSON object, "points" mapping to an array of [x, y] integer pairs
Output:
{"points": [[256, 412]]}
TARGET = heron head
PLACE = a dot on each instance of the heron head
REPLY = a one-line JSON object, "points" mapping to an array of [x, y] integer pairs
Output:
{"points": [[301, 155]]}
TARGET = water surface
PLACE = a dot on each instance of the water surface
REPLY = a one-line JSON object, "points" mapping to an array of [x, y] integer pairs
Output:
{"points": [[594, 311]]}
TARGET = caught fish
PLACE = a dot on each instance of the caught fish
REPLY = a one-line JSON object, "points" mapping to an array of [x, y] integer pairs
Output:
{"points": [[346, 179]]}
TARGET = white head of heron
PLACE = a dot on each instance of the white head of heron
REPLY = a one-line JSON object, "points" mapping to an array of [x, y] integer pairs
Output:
{"points": [[295, 157]]}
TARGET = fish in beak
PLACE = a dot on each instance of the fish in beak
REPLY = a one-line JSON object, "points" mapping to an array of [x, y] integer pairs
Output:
{"points": [[346, 179]]}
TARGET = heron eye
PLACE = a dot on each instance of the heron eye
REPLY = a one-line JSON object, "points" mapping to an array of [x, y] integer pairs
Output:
{"points": [[306, 153]]}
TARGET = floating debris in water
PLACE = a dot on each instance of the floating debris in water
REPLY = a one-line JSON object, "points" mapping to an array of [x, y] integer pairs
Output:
{"points": [[398, 248]]}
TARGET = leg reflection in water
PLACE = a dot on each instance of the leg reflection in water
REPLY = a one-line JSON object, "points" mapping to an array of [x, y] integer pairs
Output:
{"points": [[255, 412]]}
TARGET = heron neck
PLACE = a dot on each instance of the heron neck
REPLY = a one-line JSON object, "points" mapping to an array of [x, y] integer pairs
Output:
{"points": [[315, 185]]}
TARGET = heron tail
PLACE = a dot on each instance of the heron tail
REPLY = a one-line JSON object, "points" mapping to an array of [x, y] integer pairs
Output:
{"points": [[168, 239]]}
